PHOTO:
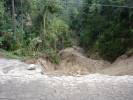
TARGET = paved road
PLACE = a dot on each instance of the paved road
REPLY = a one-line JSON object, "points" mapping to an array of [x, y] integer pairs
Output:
{"points": [[18, 86]]}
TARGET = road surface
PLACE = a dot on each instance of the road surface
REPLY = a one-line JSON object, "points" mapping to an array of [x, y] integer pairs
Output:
{"points": [[18, 83]]}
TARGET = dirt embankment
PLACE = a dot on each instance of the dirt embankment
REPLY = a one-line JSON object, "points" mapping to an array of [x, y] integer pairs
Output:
{"points": [[73, 61], [122, 66]]}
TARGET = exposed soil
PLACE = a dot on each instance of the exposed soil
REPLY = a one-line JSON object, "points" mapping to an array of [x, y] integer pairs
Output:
{"points": [[1, 55], [74, 61], [122, 66], [21, 81]]}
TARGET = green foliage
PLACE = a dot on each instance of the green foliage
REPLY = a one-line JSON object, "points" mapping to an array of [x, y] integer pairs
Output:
{"points": [[95, 25], [111, 47], [114, 44], [60, 34], [9, 54], [2, 8], [2, 11], [47, 26], [108, 30], [52, 55], [37, 28]]}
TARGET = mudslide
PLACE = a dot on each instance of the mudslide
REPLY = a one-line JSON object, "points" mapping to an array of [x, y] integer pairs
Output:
{"points": [[20, 81]]}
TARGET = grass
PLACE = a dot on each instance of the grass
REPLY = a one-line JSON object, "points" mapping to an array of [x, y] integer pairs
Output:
{"points": [[8, 54]]}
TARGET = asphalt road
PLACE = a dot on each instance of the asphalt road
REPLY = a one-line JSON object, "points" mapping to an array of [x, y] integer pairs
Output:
{"points": [[31, 85]]}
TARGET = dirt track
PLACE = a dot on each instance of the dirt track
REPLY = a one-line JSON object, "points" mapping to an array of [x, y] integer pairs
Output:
{"points": [[93, 87], [18, 83]]}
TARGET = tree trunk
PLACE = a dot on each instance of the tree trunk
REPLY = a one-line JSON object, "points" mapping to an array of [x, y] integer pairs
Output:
{"points": [[13, 16], [22, 23], [44, 26]]}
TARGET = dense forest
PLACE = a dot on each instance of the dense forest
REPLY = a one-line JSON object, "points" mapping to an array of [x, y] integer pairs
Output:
{"points": [[35, 27]]}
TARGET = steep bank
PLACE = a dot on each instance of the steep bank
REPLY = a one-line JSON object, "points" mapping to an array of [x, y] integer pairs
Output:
{"points": [[74, 61], [20, 81], [122, 66]]}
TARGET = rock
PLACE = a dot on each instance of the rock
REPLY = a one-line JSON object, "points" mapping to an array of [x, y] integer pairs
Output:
{"points": [[31, 67]]}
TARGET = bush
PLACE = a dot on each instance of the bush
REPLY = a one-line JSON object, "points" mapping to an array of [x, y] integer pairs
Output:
{"points": [[110, 48], [52, 56], [114, 42], [8, 42]]}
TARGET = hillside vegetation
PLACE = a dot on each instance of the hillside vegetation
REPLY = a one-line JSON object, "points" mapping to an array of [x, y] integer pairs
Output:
{"points": [[30, 28]]}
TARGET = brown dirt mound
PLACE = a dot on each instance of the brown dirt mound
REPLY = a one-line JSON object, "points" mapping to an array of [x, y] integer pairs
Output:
{"points": [[1, 55], [122, 66], [74, 61]]}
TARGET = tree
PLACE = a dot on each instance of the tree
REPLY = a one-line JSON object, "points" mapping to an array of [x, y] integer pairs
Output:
{"points": [[106, 29], [45, 15], [13, 15], [2, 12]]}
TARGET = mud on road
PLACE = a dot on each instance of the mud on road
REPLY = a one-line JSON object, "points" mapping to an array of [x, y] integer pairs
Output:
{"points": [[17, 82]]}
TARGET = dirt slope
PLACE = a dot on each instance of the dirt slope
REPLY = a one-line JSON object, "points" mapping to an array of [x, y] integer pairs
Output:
{"points": [[122, 66], [74, 61], [20, 81]]}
